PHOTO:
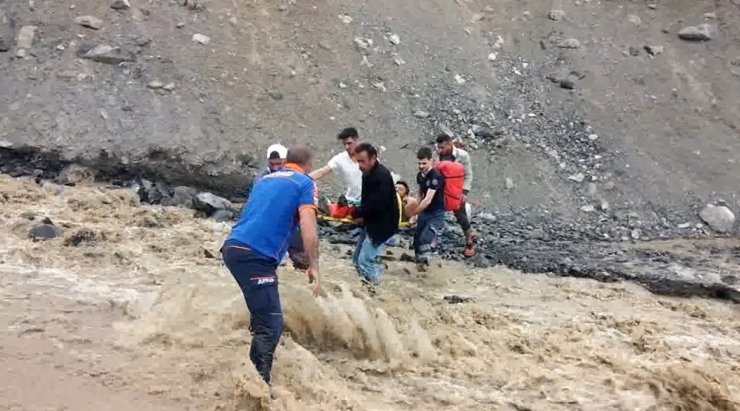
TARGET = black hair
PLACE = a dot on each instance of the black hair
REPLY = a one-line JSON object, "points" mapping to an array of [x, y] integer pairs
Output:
{"points": [[405, 186], [349, 132], [443, 138], [424, 153], [274, 155], [367, 148]]}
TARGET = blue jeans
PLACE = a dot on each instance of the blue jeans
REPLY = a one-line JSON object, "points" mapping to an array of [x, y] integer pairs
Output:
{"points": [[256, 276], [367, 258]]}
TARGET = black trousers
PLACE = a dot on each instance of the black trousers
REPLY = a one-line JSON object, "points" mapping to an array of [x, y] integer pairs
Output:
{"points": [[257, 278]]}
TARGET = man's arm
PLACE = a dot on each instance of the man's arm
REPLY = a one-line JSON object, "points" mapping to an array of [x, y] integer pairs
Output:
{"points": [[320, 173], [425, 202], [310, 238], [468, 166]]}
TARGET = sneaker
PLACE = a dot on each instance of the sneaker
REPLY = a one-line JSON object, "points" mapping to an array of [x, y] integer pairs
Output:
{"points": [[469, 250]]}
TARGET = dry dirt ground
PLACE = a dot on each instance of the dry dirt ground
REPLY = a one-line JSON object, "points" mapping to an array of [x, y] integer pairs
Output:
{"points": [[139, 316], [290, 71]]}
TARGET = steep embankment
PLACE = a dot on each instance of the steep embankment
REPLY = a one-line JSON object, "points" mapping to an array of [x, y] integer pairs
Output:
{"points": [[649, 132]]}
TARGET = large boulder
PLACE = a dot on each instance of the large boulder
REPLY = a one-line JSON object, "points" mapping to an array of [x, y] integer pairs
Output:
{"points": [[719, 218], [210, 203]]}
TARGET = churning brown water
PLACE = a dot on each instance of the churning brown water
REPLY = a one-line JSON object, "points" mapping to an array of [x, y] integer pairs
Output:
{"points": [[140, 316]]}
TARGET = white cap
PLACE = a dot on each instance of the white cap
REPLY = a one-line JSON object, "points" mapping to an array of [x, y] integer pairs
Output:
{"points": [[280, 149]]}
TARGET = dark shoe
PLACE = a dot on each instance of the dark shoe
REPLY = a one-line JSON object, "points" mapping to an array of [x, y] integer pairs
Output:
{"points": [[323, 205]]}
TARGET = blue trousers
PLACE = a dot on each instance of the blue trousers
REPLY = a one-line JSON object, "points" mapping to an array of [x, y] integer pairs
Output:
{"points": [[367, 258], [257, 278], [429, 228]]}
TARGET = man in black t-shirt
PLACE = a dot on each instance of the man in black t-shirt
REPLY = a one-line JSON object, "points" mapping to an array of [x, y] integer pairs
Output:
{"points": [[430, 212]]}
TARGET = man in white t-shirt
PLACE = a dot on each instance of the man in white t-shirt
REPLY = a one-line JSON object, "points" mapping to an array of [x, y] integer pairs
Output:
{"points": [[345, 166]]}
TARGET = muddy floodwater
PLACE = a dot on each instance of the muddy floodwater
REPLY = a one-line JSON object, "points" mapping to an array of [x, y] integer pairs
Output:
{"points": [[131, 308]]}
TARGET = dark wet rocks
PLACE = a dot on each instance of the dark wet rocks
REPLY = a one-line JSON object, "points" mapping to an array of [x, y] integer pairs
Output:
{"points": [[183, 197], [456, 299], [209, 203], [47, 230], [83, 236], [105, 54], [702, 32]]}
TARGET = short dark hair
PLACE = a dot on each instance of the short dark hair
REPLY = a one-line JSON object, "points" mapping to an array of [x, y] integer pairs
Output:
{"points": [[424, 153], [299, 154], [405, 186], [443, 138], [367, 148], [274, 155], [349, 132]]}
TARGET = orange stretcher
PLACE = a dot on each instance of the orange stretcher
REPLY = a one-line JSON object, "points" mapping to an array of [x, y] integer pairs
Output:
{"points": [[338, 215]]}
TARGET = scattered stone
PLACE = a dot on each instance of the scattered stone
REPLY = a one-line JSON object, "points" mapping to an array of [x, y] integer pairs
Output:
{"points": [[634, 51], [702, 32], [556, 15], [7, 31], [588, 208], [578, 178], [483, 132], [363, 45], [223, 215], [28, 215], [654, 50], [568, 84], [710, 16], [169, 86], [492, 57], [394, 39], [719, 218], [201, 39], [45, 231], [275, 95], [149, 222], [345, 19], [456, 299], [105, 54], [74, 174], [208, 254], [635, 234], [634, 19], [488, 217], [143, 41], [591, 189], [120, 5], [570, 44], [183, 196], [509, 183], [25, 40], [593, 137], [459, 79], [90, 22], [156, 84], [604, 205], [684, 226], [83, 236], [210, 203], [399, 61], [421, 114]]}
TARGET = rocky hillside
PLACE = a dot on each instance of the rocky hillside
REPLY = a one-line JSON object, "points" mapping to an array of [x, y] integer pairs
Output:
{"points": [[587, 110]]}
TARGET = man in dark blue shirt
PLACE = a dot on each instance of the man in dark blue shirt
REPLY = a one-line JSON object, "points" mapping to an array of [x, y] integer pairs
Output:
{"points": [[279, 202], [431, 209]]}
